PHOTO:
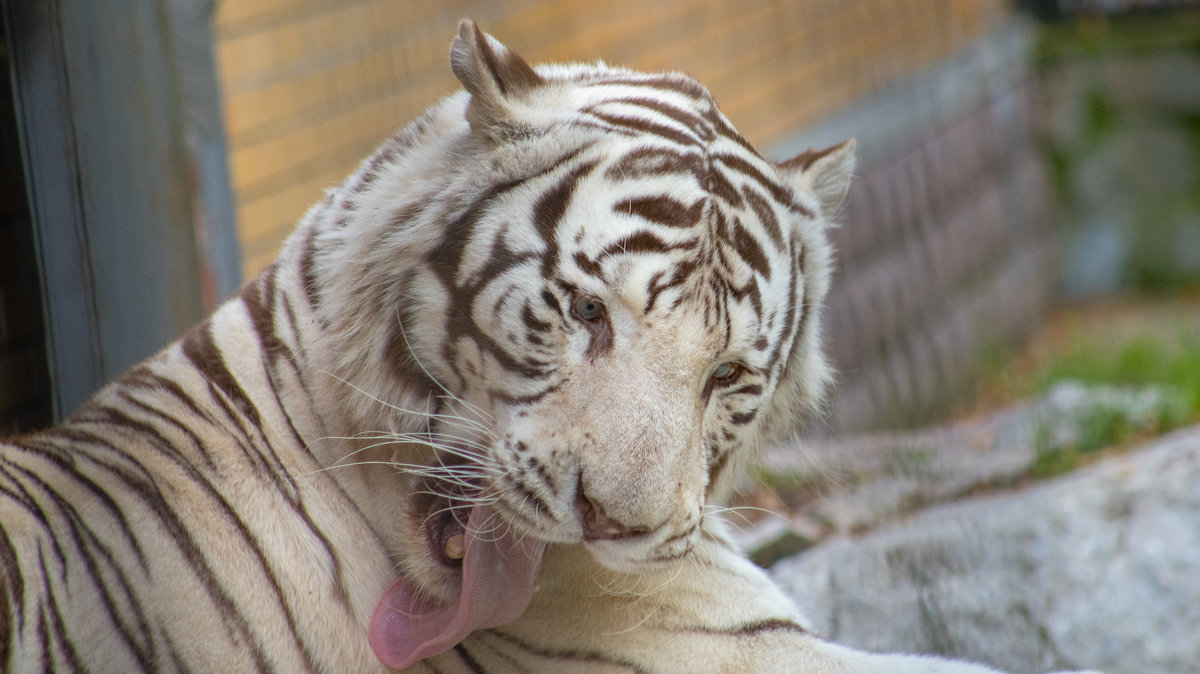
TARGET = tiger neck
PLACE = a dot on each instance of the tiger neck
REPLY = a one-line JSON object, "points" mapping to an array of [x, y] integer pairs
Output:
{"points": [[338, 419]]}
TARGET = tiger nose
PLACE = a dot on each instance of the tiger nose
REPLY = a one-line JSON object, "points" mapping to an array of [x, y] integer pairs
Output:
{"points": [[598, 526]]}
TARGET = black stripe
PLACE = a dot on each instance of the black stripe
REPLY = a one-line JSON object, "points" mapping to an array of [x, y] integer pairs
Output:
{"points": [[766, 215], [527, 399], [696, 124], [232, 618], [69, 469], [779, 193], [309, 282], [786, 336], [588, 266], [161, 413], [257, 298], [749, 250], [199, 347], [225, 390], [550, 209], [177, 660], [666, 81], [754, 628], [749, 389], [723, 127], [568, 655], [31, 505], [643, 242], [742, 418], [62, 642], [531, 320], [202, 350], [718, 461], [546, 477], [148, 378], [645, 126], [447, 258], [719, 186], [655, 161], [175, 528], [466, 658], [679, 276], [661, 210], [89, 546], [12, 597]]}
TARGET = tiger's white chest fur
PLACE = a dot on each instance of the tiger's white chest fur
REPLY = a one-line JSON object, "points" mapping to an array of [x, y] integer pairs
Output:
{"points": [[473, 418]]}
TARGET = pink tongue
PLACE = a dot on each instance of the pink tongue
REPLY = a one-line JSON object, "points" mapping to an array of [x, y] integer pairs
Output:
{"points": [[498, 574]]}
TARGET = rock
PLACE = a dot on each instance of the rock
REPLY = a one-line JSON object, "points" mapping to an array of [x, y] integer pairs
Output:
{"points": [[1095, 569], [852, 484]]}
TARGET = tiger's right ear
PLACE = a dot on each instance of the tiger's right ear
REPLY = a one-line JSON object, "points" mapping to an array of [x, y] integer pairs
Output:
{"points": [[495, 76]]}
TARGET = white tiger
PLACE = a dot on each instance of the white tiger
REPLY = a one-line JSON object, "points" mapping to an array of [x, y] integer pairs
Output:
{"points": [[475, 417]]}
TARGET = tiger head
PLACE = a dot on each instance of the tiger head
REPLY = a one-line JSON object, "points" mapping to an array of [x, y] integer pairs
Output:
{"points": [[585, 299]]}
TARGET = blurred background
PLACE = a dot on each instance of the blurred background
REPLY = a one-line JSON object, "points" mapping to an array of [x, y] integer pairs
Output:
{"points": [[1017, 158]]}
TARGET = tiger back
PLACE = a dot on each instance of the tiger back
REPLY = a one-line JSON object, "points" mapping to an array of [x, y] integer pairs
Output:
{"points": [[480, 415]]}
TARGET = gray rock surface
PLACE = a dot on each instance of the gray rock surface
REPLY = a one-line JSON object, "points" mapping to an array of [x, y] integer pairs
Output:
{"points": [[1096, 569], [858, 482]]}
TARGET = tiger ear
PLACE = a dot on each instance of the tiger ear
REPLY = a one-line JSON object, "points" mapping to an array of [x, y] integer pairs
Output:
{"points": [[826, 173], [495, 76]]}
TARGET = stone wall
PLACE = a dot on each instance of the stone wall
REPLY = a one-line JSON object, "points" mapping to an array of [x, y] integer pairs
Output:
{"points": [[944, 250]]}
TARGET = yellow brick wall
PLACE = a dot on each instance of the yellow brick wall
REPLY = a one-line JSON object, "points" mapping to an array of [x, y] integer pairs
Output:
{"points": [[312, 86]]}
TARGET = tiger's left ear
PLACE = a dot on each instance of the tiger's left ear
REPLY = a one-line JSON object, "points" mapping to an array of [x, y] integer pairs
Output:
{"points": [[826, 173], [497, 78]]}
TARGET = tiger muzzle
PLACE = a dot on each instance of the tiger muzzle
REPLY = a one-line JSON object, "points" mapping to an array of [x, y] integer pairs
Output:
{"points": [[598, 526]]}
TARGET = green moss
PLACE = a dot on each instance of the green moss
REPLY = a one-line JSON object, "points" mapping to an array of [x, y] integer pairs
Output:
{"points": [[1063, 441], [789, 543], [1164, 358]]}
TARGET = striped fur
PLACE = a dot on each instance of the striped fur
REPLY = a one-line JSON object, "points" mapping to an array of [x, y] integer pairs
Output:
{"points": [[575, 294]]}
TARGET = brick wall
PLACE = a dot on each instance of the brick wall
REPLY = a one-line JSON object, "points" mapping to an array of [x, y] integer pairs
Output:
{"points": [[311, 87]]}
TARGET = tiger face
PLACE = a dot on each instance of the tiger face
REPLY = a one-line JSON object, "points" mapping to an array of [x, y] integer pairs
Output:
{"points": [[634, 329], [608, 299]]}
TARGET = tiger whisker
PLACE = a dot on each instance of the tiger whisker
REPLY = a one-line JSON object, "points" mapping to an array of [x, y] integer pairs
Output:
{"points": [[454, 444], [471, 499], [451, 419], [462, 478], [741, 510], [408, 345], [455, 451], [660, 595]]}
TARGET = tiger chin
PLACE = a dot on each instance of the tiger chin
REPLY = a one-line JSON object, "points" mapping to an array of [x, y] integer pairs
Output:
{"points": [[474, 418]]}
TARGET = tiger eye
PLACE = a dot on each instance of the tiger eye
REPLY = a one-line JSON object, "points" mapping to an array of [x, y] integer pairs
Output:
{"points": [[588, 308], [727, 372]]}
